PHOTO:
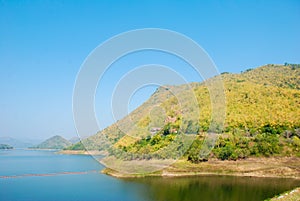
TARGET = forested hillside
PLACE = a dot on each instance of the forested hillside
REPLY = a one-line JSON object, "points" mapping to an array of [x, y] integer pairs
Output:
{"points": [[55, 142], [262, 119]]}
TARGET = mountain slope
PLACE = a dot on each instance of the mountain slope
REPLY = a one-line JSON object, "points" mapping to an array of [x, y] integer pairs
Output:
{"points": [[265, 99], [14, 142], [55, 142]]}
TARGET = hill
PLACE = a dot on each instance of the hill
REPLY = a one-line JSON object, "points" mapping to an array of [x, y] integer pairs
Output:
{"points": [[55, 142], [261, 119], [74, 140]]}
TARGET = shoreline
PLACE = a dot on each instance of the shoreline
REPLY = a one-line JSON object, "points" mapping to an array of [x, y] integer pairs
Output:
{"points": [[291, 195], [262, 167], [273, 167], [119, 175]]}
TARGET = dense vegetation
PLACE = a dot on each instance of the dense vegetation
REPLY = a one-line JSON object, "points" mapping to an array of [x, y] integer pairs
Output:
{"points": [[262, 119], [55, 142], [76, 146], [239, 146], [5, 146]]}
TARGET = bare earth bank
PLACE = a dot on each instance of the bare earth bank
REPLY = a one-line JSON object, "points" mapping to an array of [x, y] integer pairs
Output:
{"points": [[280, 167]]}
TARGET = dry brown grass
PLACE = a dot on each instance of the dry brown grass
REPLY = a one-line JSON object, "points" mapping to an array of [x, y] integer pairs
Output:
{"points": [[288, 167]]}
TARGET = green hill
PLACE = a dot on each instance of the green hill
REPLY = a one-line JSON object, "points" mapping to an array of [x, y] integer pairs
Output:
{"points": [[262, 118], [55, 142]]}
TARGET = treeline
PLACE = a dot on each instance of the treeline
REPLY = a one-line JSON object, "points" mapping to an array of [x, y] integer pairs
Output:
{"points": [[240, 146], [5, 146], [293, 66], [158, 146], [76, 146], [229, 146]]}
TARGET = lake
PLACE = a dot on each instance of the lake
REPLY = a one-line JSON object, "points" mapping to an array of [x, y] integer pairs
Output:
{"points": [[45, 175]]}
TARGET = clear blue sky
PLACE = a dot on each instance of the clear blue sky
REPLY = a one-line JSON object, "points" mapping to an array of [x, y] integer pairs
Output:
{"points": [[43, 44]]}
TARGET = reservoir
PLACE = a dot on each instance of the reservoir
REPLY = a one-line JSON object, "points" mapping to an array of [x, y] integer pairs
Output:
{"points": [[45, 175]]}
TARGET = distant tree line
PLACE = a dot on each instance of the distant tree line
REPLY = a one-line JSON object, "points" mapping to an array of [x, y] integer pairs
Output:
{"points": [[293, 66], [5, 146]]}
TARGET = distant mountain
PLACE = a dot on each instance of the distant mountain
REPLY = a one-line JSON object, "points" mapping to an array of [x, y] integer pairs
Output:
{"points": [[55, 142], [32, 141], [5, 146], [74, 140], [16, 143]]}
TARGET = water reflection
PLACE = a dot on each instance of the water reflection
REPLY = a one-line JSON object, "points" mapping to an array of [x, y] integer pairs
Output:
{"points": [[213, 188]]}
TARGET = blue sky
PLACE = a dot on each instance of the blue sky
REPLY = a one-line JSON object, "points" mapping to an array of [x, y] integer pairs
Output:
{"points": [[43, 44]]}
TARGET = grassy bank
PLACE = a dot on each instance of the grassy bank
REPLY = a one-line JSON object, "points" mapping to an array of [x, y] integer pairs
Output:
{"points": [[281, 167]]}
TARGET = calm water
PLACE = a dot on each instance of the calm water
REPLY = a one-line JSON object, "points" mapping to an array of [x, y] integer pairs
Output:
{"points": [[95, 186]]}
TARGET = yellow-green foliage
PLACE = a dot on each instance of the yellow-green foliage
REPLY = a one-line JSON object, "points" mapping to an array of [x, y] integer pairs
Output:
{"points": [[266, 95], [258, 100]]}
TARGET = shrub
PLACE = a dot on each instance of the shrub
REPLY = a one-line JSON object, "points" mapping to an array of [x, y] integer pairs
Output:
{"points": [[226, 152], [194, 152], [266, 144], [296, 141]]}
